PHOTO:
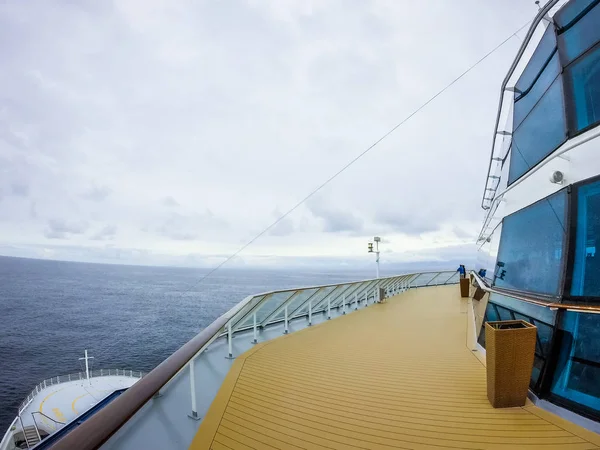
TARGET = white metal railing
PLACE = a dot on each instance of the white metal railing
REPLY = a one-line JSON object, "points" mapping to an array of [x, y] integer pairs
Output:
{"points": [[74, 377], [258, 311]]}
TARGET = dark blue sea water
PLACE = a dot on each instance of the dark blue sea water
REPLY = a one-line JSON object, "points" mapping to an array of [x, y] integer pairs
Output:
{"points": [[128, 317]]}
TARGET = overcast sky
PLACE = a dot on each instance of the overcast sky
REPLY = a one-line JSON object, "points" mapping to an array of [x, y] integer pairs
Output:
{"points": [[172, 132]]}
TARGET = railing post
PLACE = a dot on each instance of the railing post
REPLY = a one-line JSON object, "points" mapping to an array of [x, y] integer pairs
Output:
{"points": [[366, 299], [229, 343], [286, 330], [101, 372], [328, 308], [310, 313], [255, 340], [194, 414], [355, 302], [44, 384], [344, 304], [131, 373]]}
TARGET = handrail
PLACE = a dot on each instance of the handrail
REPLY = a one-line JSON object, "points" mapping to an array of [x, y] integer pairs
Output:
{"points": [[95, 431], [37, 430], [536, 21], [527, 299], [48, 417], [24, 434]]}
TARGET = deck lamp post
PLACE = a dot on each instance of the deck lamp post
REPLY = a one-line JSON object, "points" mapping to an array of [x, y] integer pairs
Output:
{"points": [[377, 240]]}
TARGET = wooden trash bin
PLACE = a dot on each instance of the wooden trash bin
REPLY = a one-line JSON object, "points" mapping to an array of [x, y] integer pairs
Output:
{"points": [[510, 349], [464, 287]]}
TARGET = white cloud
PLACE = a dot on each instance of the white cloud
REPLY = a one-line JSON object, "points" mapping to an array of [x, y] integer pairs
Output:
{"points": [[108, 232], [59, 229], [170, 202], [239, 109]]}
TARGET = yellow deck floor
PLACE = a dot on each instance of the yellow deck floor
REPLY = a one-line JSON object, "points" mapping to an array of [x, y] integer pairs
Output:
{"points": [[393, 375]]}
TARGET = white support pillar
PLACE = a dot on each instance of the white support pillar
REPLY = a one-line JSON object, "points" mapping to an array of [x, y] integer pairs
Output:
{"points": [[366, 299], [255, 340], [344, 304], [328, 308], [286, 328], [229, 336], [194, 413], [310, 313]]}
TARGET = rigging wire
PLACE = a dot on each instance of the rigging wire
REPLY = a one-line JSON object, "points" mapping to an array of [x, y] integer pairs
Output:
{"points": [[355, 159]]}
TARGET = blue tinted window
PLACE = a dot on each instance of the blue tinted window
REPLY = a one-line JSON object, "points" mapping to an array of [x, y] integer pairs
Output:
{"points": [[531, 247], [581, 36], [539, 58], [578, 369], [526, 101], [539, 134], [583, 80], [586, 268], [544, 336], [505, 314], [570, 11], [491, 315]]}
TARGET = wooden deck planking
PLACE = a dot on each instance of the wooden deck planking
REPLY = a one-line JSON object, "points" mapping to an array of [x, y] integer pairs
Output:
{"points": [[395, 375]]}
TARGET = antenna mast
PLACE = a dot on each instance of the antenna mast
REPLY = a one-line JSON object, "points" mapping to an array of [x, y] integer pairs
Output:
{"points": [[87, 367]]}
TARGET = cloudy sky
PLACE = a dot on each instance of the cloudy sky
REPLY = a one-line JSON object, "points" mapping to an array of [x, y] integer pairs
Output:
{"points": [[172, 132]]}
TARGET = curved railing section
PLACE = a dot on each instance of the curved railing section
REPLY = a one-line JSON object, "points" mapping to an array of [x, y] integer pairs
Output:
{"points": [[253, 314], [73, 377]]}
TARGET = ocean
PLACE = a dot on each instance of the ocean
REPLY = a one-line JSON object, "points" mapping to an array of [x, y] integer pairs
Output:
{"points": [[127, 317]]}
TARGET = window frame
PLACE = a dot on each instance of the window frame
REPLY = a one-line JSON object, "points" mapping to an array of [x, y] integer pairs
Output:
{"points": [[546, 377], [561, 80], [573, 209], [569, 106], [569, 97], [564, 257], [564, 109], [565, 28]]}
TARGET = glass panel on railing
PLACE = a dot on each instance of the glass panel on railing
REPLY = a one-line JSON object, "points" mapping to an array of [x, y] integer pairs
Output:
{"points": [[356, 291], [441, 278], [423, 279], [316, 300], [272, 304], [453, 278], [338, 296], [242, 313], [297, 301]]}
